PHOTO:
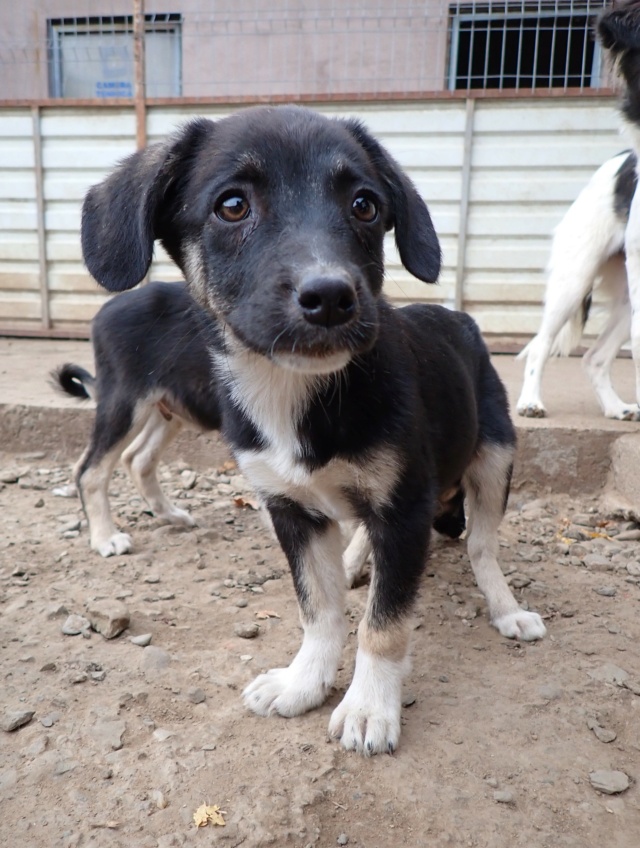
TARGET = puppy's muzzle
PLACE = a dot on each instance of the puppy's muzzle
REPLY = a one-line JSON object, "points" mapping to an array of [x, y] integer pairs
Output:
{"points": [[328, 301]]}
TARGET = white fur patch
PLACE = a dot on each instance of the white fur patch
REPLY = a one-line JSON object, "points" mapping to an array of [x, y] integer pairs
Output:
{"points": [[367, 720]]}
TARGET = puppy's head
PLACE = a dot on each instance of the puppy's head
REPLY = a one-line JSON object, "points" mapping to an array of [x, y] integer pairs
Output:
{"points": [[618, 29], [276, 217]]}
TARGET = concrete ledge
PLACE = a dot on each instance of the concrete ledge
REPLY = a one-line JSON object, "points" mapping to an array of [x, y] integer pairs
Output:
{"points": [[570, 451]]}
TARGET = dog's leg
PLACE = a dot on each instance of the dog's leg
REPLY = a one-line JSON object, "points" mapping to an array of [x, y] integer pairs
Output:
{"points": [[599, 360], [632, 249], [94, 472], [486, 483], [355, 555], [367, 719], [313, 545], [141, 460]]}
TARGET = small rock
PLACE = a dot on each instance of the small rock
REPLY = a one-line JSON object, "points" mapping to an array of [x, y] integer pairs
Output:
{"points": [[75, 625], [13, 474], [609, 673], [343, 839], [70, 527], [550, 692], [152, 578], [161, 735], [409, 699], [188, 479], [14, 719], [50, 720], [605, 591], [504, 796], [601, 733], [109, 618], [154, 658], [628, 535], [166, 596], [159, 799], [57, 611], [633, 568], [142, 641], [196, 695], [241, 603], [247, 631], [609, 782], [109, 734]]}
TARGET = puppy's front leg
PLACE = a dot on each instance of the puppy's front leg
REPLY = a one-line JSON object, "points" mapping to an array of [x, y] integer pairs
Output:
{"points": [[368, 718], [313, 546]]}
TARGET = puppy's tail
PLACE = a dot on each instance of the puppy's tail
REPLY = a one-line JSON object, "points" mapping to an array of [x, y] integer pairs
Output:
{"points": [[75, 381]]}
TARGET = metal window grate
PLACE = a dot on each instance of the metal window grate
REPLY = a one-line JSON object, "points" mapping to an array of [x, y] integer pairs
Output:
{"points": [[515, 45], [258, 49]]}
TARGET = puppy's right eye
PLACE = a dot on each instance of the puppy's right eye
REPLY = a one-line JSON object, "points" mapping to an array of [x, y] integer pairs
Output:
{"points": [[233, 208]]}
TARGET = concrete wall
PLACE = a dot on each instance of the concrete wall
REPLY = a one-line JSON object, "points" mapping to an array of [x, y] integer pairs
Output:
{"points": [[494, 200]]}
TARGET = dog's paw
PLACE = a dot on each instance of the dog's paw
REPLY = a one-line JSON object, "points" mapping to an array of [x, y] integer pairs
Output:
{"points": [[176, 516], [532, 410], [627, 413], [521, 624], [364, 727], [284, 691], [367, 720], [116, 545]]}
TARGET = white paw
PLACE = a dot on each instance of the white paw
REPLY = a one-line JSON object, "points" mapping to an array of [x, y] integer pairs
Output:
{"points": [[367, 720], [626, 413], [176, 516], [284, 691], [119, 543], [532, 410], [521, 624]]}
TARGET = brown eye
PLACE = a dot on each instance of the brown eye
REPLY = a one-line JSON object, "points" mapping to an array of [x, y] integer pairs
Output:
{"points": [[364, 209], [233, 208]]}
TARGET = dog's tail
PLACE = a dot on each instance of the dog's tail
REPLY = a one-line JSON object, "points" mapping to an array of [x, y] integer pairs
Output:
{"points": [[569, 336], [75, 381], [619, 32]]}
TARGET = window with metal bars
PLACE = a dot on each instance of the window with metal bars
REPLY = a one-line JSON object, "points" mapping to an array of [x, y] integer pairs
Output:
{"points": [[545, 44], [93, 57]]}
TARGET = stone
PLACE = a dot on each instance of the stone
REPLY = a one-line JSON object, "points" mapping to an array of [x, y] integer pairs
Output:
{"points": [[633, 568], [108, 734], [159, 799], [109, 618], [142, 640], [504, 796], [609, 673], [408, 699], [247, 631], [188, 479], [609, 782], [196, 695], [74, 625], [343, 839], [14, 719], [601, 733], [628, 535], [605, 591], [154, 658], [161, 735]]}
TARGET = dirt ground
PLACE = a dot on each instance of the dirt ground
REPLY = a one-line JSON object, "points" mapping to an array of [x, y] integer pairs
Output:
{"points": [[126, 742]]}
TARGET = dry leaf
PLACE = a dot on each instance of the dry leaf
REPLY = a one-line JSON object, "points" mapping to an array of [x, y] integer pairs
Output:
{"points": [[240, 501], [264, 614], [206, 814]]}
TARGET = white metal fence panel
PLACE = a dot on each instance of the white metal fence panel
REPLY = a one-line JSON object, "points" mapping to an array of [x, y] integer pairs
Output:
{"points": [[527, 159]]}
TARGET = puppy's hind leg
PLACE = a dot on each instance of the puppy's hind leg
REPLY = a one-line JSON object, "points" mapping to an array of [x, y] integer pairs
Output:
{"points": [[486, 483], [111, 434], [141, 460]]}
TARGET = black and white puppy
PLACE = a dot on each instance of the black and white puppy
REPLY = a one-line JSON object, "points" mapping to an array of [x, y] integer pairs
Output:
{"points": [[587, 253], [153, 377], [336, 405]]}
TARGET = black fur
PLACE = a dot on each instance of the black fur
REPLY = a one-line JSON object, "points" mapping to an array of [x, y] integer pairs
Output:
{"points": [[277, 218], [618, 29], [625, 186]]}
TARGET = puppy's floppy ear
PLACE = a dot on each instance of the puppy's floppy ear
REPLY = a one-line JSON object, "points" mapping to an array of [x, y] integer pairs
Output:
{"points": [[416, 237], [123, 215]]}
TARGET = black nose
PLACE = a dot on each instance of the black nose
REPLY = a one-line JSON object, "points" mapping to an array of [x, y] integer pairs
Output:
{"points": [[328, 301]]}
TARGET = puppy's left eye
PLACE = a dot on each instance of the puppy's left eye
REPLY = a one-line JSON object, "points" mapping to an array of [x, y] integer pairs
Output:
{"points": [[364, 209], [232, 208]]}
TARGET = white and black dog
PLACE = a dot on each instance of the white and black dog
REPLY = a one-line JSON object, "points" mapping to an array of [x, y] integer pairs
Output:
{"points": [[598, 243], [336, 405], [153, 377]]}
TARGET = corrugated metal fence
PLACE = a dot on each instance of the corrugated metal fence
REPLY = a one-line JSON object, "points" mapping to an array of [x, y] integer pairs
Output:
{"points": [[498, 175]]}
